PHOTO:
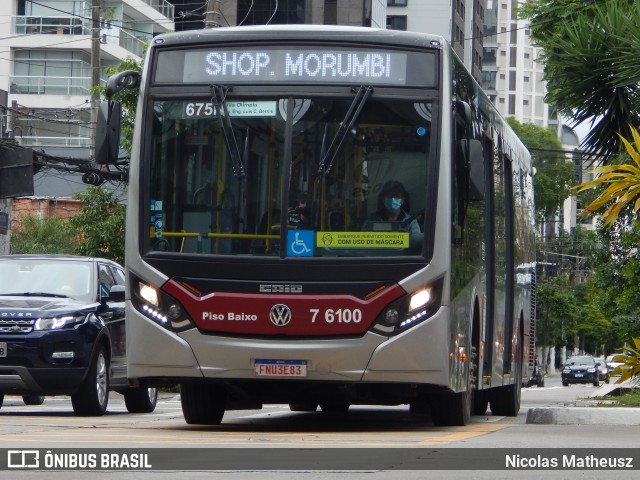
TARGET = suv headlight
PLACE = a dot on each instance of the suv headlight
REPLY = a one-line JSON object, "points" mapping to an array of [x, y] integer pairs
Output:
{"points": [[57, 323], [410, 310], [159, 306]]}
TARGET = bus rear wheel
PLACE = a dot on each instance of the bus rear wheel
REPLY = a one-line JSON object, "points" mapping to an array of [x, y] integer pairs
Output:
{"points": [[202, 404], [506, 400]]}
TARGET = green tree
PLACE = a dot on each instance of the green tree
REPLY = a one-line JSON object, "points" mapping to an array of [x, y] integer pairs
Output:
{"points": [[613, 285], [591, 64], [592, 326], [42, 235], [99, 226], [554, 173], [557, 314]]}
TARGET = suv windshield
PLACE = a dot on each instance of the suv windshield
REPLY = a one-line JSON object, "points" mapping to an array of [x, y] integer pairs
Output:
{"points": [[222, 183], [45, 277]]}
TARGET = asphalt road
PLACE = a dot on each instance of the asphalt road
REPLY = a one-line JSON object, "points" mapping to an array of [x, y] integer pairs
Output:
{"points": [[367, 442]]}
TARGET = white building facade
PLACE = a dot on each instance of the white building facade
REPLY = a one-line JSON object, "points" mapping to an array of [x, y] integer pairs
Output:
{"points": [[46, 64], [459, 21], [487, 35], [512, 77]]}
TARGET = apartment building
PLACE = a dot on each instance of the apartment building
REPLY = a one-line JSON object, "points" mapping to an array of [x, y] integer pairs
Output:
{"points": [[494, 45], [571, 213], [461, 22], [46, 65], [511, 74], [194, 14]]}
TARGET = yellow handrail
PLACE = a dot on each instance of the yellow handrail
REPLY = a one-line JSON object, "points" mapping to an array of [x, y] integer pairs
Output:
{"points": [[255, 236]]}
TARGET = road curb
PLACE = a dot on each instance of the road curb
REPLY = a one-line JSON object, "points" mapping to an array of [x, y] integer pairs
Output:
{"points": [[584, 416]]}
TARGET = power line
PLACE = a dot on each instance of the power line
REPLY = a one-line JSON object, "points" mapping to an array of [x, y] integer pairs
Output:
{"points": [[247, 15], [275, 10]]}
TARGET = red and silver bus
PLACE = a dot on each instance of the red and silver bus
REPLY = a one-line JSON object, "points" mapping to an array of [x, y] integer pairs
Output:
{"points": [[326, 217]]}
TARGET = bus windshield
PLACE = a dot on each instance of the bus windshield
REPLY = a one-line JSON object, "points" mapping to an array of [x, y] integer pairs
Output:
{"points": [[289, 177]]}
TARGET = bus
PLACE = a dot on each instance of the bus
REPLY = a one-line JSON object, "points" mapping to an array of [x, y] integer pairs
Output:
{"points": [[324, 217]]}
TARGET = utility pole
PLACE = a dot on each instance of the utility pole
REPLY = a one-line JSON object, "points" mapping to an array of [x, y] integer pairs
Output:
{"points": [[95, 70], [212, 15], [12, 119]]}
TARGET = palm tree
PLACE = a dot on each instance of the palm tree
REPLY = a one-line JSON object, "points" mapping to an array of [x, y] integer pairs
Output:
{"points": [[621, 184], [591, 65]]}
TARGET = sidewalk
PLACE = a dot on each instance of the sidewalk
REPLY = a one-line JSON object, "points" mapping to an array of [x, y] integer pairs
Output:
{"points": [[585, 412]]}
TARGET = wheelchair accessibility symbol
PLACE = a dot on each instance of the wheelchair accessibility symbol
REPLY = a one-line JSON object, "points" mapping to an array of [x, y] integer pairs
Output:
{"points": [[300, 243]]}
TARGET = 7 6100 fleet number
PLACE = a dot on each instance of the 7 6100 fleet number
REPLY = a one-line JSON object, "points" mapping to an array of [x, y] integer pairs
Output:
{"points": [[339, 315]]}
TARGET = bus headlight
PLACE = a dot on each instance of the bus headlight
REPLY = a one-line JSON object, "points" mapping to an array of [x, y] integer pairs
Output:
{"points": [[409, 310], [159, 306], [149, 294]]}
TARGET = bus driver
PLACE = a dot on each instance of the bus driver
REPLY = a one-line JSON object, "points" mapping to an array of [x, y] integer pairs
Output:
{"points": [[392, 198]]}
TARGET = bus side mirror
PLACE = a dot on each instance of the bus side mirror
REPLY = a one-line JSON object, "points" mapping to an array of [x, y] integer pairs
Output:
{"points": [[476, 171], [110, 116], [108, 132], [122, 80], [470, 166]]}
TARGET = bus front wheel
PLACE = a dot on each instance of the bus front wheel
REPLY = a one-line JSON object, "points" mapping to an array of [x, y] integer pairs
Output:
{"points": [[140, 400], [334, 406], [202, 404], [303, 407], [450, 409]]}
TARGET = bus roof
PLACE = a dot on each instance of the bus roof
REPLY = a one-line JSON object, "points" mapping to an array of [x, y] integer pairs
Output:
{"points": [[304, 33]]}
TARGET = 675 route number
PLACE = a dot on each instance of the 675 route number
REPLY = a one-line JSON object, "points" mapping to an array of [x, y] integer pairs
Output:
{"points": [[340, 315]]}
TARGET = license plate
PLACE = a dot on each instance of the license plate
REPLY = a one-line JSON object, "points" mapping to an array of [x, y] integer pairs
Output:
{"points": [[281, 368], [578, 375], [3, 349]]}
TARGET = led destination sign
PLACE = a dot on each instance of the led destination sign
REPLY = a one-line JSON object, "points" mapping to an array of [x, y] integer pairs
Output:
{"points": [[296, 65]]}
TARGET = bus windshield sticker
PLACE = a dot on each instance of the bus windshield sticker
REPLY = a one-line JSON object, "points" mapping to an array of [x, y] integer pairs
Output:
{"points": [[255, 108], [363, 239], [300, 243], [156, 219]]}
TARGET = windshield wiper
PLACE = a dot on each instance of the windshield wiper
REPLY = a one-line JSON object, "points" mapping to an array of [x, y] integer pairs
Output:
{"points": [[349, 119], [219, 99], [33, 294]]}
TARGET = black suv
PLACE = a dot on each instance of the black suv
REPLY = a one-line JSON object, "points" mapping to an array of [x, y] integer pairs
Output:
{"points": [[62, 332], [580, 369]]}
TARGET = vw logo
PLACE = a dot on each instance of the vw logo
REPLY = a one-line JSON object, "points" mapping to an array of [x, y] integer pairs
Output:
{"points": [[280, 315]]}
